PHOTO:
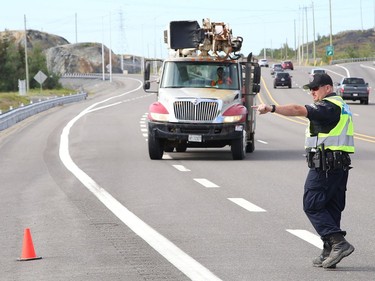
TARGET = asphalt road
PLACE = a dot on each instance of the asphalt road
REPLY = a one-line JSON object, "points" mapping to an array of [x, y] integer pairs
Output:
{"points": [[98, 208]]}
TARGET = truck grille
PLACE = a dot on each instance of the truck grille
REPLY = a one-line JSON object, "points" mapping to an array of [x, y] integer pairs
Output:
{"points": [[196, 110]]}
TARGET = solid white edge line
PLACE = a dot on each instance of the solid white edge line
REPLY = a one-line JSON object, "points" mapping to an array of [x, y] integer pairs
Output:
{"points": [[247, 205], [186, 264], [307, 236]]}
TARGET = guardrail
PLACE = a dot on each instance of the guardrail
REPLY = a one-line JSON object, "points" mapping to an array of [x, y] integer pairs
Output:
{"points": [[86, 75], [352, 60], [14, 116]]}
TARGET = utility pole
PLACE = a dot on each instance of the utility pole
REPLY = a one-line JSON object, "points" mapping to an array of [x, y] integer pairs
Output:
{"points": [[76, 28], [302, 39], [103, 52], [295, 39], [360, 4], [314, 50], [307, 37], [110, 49], [330, 27], [26, 60]]}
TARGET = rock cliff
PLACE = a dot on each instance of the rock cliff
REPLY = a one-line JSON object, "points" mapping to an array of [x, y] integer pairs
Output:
{"points": [[63, 57]]}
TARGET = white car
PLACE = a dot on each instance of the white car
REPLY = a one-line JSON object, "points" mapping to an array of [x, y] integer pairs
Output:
{"points": [[315, 71], [263, 62]]}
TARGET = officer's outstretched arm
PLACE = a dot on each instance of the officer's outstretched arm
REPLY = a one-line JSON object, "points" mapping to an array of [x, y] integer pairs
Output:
{"points": [[286, 110]]}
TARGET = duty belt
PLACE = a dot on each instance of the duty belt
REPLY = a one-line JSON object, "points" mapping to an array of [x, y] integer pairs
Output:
{"points": [[328, 160]]}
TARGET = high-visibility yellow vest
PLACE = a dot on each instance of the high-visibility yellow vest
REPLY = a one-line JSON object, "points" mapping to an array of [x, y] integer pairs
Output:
{"points": [[341, 136]]}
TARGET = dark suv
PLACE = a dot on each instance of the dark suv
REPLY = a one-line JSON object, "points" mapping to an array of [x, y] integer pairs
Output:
{"points": [[287, 64], [282, 79]]}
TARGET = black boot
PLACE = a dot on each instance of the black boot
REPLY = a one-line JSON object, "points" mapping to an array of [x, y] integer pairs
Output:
{"points": [[340, 249], [318, 261]]}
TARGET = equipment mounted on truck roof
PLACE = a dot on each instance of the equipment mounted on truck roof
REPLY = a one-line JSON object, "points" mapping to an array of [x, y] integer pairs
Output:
{"points": [[213, 39]]}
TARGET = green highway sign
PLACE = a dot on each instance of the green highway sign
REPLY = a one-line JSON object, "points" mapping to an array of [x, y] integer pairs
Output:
{"points": [[329, 51]]}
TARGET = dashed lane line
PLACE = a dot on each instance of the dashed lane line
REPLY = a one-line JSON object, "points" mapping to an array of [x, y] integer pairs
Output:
{"points": [[307, 236], [181, 168], [206, 183], [247, 205]]}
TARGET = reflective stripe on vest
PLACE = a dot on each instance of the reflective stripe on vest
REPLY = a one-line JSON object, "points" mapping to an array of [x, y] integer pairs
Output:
{"points": [[341, 136]]}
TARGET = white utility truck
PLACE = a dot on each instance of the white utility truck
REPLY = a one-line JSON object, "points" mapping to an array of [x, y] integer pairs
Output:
{"points": [[205, 90]]}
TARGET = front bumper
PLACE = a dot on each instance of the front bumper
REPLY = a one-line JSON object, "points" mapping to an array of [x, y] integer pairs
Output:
{"points": [[182, 132]]}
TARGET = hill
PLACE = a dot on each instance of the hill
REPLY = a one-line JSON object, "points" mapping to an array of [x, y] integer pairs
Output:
{"points": [[61, 56], [347, 45]]}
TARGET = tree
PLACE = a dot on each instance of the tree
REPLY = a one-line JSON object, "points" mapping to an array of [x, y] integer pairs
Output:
{"points": [[11, 65]]}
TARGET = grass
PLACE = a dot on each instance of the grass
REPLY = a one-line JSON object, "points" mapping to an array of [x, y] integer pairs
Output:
{"points": [[12, 100]]}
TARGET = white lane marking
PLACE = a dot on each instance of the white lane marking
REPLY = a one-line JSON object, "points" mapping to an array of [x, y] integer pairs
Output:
{"points": [[186, 264], [261, 141], [307, 236], [366, 66], [206, 183], [181, 168], [346, 70], [247, 205]]}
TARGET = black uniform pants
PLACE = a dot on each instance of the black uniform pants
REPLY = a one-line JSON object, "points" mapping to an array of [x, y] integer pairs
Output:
{"points": [[324, 199]]}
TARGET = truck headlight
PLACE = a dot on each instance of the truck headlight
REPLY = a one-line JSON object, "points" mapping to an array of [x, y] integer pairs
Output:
{"points": [[232, 119], [158, 116], [236, 113]]}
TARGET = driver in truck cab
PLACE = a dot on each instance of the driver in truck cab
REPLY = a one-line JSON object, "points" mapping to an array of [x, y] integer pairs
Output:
{"points": [[221, 79]]}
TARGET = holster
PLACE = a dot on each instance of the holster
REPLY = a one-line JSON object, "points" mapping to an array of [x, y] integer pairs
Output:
{"points": [[314, 159]]}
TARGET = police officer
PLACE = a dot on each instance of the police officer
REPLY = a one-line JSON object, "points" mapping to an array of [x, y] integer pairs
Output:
{"points": [[329, 141]]}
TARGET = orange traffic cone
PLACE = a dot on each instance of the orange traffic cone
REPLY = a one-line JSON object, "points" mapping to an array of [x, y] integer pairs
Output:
{"points": [[28, 252]]}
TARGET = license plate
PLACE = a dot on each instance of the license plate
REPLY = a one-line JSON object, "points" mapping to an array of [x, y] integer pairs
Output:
{"points": [[355, 95], [195, 138]]}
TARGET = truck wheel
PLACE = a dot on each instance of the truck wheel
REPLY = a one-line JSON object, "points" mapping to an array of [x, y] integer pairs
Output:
{"points": [[155, 148], [238, 148], [250, 147]]}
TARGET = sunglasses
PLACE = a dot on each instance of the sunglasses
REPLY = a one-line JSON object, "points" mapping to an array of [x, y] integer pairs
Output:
{"points": [[315, 88]]}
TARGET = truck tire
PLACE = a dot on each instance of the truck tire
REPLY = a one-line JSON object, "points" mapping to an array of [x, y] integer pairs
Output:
{"points": [[250, 147], [155, 148], [238, 148]]}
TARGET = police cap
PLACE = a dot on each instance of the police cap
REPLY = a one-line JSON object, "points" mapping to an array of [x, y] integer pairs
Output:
{"points": [[320, 79]]}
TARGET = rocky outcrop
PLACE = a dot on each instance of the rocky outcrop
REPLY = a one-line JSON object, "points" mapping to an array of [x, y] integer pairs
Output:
{"points": [[35, 38], [80, 58], [63, 57]]}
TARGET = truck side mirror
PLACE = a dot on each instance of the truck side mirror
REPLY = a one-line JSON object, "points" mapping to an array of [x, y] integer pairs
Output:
{"points": [[146, 76], [257, 74]]}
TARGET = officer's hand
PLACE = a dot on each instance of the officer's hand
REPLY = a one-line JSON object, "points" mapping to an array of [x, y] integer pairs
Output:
{"points": [[262, 108]]}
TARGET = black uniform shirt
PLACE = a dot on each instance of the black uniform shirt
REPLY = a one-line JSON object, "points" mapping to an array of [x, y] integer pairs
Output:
{"points": [[323, 116]]}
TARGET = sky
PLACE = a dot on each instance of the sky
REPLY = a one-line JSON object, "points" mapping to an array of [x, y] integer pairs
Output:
{"points": [[136, 26]]}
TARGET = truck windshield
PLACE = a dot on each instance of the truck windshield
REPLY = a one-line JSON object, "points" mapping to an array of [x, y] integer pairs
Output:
{"points": [[200, 75]]}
